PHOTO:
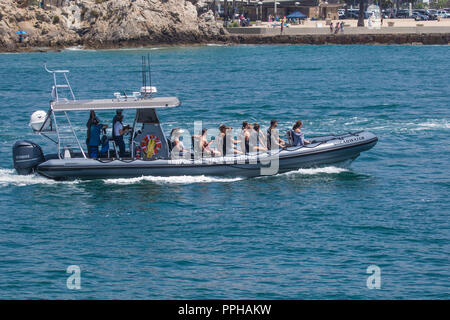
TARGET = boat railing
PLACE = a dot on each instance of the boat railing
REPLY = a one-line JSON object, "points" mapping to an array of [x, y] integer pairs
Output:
{"points": [[59, 86], [67, 138]]}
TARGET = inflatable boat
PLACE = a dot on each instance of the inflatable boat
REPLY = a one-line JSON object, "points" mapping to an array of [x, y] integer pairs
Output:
{"points": [[70, 160]]}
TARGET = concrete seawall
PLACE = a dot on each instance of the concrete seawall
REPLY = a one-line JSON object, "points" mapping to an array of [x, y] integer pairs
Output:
{"points": [[347, 30], [400, 35]]}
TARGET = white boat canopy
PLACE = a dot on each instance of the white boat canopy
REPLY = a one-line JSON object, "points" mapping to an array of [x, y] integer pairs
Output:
{"points": [[113, 104]]}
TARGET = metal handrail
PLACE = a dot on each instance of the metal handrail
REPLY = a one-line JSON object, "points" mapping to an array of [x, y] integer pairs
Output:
{"points": [[76, 138], [55, 88]]}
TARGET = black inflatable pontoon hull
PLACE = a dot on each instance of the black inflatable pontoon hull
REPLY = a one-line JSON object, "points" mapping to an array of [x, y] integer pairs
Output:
{"points": [[321, 152]]}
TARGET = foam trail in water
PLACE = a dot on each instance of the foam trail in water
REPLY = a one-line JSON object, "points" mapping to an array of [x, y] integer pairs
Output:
{"points": [[171, 180], [311, 171], [75, 48], [435, 124], [10, 177]]}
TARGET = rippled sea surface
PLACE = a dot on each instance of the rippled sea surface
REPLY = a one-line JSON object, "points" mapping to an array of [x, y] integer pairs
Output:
{"points": [[307, 234]]}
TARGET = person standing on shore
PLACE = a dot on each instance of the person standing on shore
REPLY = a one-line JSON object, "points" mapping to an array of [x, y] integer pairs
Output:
{"points": [[331, 27], [282, 24], [342, 26]]}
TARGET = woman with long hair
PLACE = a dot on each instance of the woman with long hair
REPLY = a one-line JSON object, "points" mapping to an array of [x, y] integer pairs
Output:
{"points": [[298, 138]]}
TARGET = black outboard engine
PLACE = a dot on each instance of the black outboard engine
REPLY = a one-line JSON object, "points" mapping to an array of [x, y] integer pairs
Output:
{"points": [[27, 156]]}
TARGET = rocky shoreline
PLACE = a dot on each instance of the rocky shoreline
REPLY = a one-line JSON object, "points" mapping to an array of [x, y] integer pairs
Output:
{"points": [[116, 24], [105, 23], [405, 39]]}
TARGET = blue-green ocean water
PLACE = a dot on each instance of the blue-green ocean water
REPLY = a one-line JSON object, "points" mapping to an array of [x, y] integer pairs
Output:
{"points": [[308, 234]]}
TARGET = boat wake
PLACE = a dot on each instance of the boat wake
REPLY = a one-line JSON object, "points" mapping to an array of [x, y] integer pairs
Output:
{"points": [[313, 171], [171, 180], [207, 179], [356, 123], [441, 124], [9, 177]]}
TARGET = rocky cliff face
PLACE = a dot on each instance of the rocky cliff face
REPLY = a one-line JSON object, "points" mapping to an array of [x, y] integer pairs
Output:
{"points": [[106, 23]]}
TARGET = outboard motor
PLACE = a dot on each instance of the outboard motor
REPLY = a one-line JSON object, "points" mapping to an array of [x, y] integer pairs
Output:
{"points": [[27, 156]]}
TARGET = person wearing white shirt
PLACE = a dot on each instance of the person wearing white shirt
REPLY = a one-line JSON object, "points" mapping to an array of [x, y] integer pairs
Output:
{"points": [[118, 132]]}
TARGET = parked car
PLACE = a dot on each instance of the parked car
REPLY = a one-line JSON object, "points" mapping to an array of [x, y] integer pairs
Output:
{"points": [[443, 14], [421, 11], [351, 15], [403, 13], [432, 14], [419, 16]]}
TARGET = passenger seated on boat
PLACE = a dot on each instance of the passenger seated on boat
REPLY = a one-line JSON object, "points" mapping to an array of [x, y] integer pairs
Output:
{"points": [[289, 135], [104, 150], [205, 146], [225, 143], [176, 146], [298, 138], [195, 146], [221, 139], [274, 136], [257, 139], [94, 137], [245, 137]]}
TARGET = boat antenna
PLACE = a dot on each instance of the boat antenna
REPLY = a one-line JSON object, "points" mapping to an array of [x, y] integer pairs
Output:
{"points": [[144, 75], [149, 73]]}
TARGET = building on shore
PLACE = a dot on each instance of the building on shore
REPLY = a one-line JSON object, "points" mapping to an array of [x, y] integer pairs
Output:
{"points": [[261, 9]]}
